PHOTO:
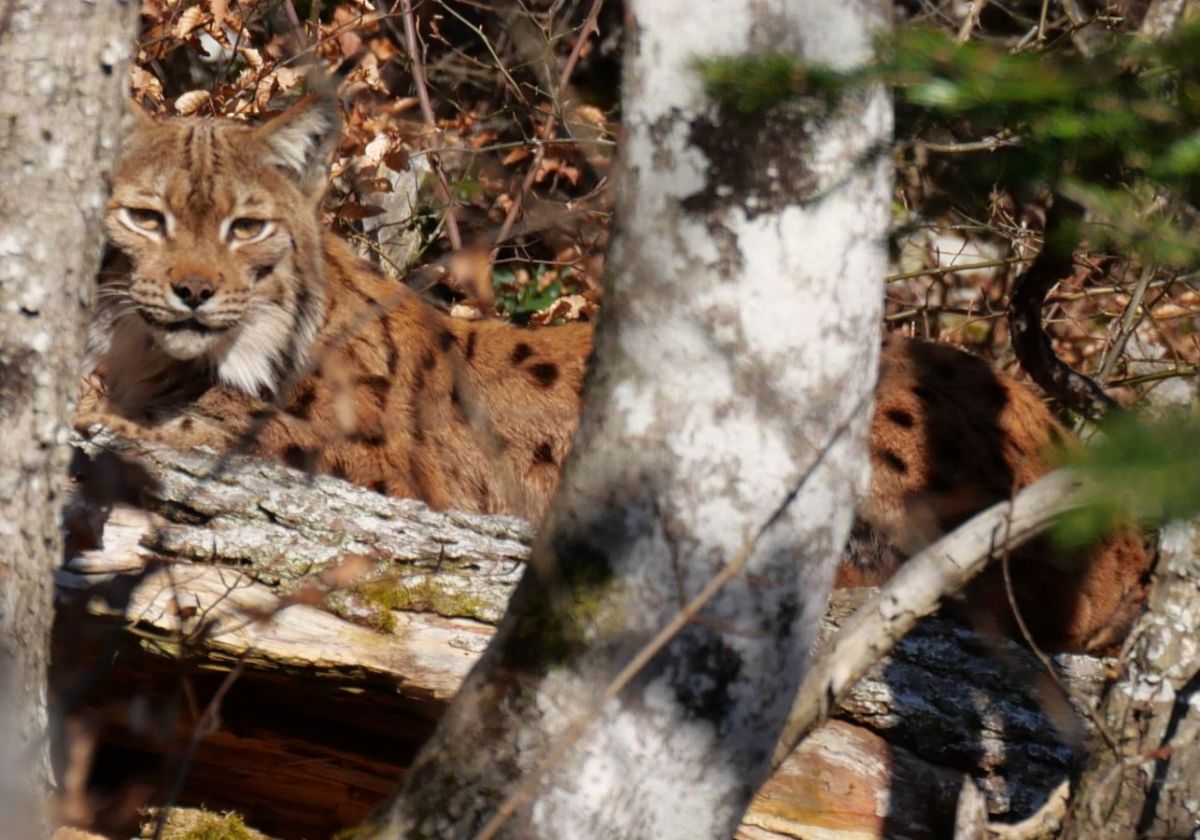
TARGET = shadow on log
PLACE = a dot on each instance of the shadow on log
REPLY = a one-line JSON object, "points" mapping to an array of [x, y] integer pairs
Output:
{"points": [[335, 625]]}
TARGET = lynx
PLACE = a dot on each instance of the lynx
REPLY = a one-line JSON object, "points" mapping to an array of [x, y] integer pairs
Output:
{"points": [[234, 299], [233, 317]]}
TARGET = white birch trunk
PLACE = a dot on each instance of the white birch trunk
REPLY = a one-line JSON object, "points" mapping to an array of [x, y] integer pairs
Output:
{"points": [[730, 400], [62, 68]]}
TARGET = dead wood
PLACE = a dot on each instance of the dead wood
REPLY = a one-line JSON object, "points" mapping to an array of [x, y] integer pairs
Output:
{"points": [[345, 665], [1032, 346]]}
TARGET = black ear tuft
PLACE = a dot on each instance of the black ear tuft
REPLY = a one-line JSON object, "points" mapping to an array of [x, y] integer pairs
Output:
{"points": [[302, 139]]}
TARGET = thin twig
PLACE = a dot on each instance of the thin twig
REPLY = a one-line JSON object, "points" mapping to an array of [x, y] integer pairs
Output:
{"points": [[1158, 375], [487, 44], [204, 727], [551, 124], [1047, 664], [1041, 27], [968, 24], [917, 590], [1100, 291], [1129, 321], [987, 144], [418, 72], [950, 269]]}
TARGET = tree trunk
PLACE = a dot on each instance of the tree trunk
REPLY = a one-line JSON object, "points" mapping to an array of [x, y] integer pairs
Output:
{"points": [[225, 577], [62, 70], [743, 247], [1150, 786]]}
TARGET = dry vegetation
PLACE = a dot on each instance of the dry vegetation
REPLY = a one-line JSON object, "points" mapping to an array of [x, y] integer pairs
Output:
{"points": [[1129, 325], [481, 173], [478, 170]]}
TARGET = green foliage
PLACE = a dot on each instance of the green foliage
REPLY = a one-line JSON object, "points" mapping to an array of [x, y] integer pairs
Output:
{"points": [[1111, 131], [193, 824], [468, 190], [1148, 469], [518, 300], [751, 84]]}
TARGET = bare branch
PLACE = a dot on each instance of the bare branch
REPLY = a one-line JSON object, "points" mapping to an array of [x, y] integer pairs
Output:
{"points": [[1053, 263], [548, 128], [917, 590], [418, 73]]}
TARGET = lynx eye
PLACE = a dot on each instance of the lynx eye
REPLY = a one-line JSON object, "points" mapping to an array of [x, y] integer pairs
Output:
{"points": [[144, 219], [248, 230]]}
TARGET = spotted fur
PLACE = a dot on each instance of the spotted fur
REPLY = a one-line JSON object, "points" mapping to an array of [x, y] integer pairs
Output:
{"points": [[950, 437], [229, 301], [232, 318]]}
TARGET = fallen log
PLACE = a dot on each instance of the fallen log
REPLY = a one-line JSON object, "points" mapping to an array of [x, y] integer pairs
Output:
{"points": [[334, 625]]}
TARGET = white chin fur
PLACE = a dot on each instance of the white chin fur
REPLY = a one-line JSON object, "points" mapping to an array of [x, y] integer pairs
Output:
{"points": [[140, 357], [185, 345], [266, 335]]}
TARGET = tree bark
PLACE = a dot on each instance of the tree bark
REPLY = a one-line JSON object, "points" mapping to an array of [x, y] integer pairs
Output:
{"points": [[743, 246], [225, 572], [62, 71], [1151, 786]]}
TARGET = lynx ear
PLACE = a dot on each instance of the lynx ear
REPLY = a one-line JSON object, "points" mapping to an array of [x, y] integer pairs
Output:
{"points": [[301, 140]]}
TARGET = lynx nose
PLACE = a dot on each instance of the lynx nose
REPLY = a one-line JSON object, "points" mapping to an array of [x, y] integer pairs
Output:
{"points": [[193, 291]]}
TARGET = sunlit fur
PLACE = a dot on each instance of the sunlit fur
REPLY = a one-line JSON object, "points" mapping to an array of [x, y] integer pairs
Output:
{"points": [[267, 294], [301, 351], [304, 353]]}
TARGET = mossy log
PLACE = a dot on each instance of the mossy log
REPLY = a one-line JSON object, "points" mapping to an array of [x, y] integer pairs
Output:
{"points": [[335, 626]]}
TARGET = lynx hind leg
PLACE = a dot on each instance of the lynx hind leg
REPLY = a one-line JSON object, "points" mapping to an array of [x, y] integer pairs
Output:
{"points": [[951, 437]]}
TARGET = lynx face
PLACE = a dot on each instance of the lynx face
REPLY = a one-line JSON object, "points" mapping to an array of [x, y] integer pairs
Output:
{"points": [[219, 223]]}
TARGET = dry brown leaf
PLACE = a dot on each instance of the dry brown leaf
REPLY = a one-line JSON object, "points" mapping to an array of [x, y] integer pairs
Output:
{"points": [[515, 156], [288, 78], [556, 160], [590, 115], [345, 22], [367, 73], [253, 57], [567, 308], [397, 160], [144, 85], [383, 49], [367, 186], [340, 167], [192, 101], [479, 139], [153, 10], [375, 152], [192, 18], [398, 106], [471, 272]]}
